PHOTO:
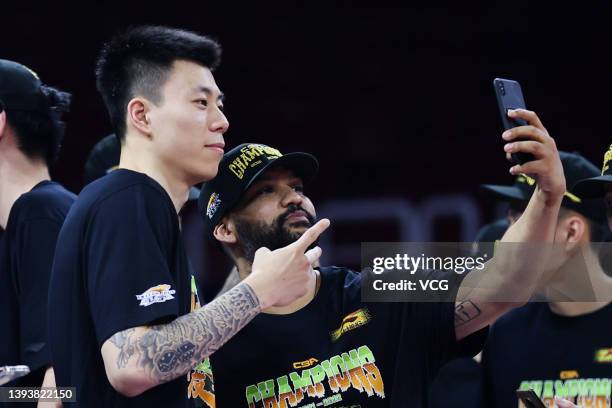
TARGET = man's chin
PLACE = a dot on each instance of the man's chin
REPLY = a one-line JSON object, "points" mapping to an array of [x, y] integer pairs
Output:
{"points": [[298, 227]]}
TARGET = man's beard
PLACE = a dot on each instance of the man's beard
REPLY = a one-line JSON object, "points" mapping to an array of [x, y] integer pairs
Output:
{"points": [[254, 235]]}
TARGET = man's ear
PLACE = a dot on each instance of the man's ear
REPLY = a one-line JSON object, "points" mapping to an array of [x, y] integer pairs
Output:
{"points": [[225, 231], [575, 229], [137, 115], [2, 124]]}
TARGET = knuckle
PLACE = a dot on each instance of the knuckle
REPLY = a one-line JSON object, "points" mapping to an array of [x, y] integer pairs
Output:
{"points": [[537, 147]]}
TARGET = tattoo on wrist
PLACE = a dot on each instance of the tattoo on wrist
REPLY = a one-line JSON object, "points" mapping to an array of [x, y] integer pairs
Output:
{"points": [[465, 312], [170, 350]]}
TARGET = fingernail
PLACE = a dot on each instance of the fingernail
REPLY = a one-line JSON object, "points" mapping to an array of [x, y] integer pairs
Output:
{"points": [[506, 134], [513, 170], [508, 147], [510, 112]]}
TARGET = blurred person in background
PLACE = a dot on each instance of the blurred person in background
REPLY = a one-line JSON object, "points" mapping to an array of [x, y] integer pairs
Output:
{"points": [[32, 211], [557, 348]]}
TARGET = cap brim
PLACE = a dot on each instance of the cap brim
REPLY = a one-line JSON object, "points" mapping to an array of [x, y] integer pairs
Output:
{"points": [[304, 165], [594, 187], [507, 192]]}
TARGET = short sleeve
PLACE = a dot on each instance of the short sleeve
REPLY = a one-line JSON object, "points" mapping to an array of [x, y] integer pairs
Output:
{"points": [[128, 245], [435, 321], [35, 241]]}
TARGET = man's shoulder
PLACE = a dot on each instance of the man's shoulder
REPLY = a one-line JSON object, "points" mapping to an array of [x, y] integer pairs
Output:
{"points": [[519, 318], [341, 283], [340, 275], [119, 189], [48, 200], [118, 182]]}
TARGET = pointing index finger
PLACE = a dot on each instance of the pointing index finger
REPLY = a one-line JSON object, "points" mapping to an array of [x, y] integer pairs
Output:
{"points": [[311, 235]]}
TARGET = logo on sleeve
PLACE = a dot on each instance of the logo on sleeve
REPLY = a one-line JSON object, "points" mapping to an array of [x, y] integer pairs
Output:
{"points": [[603, 355], [156, 294]]}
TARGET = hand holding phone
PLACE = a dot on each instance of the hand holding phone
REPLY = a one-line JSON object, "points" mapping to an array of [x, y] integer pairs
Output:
{"points": [[510, 96], [530, 399]]}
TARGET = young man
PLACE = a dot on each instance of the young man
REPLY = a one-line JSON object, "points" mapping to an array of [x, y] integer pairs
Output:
{"points": [[557, 348], [328, 348], [32, 210], [123, 323]]}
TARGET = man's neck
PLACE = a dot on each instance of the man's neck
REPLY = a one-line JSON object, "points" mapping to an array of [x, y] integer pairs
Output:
{"points": [[572, 309], [600, 285], [137, 158], [244, 270], [19, 175]]}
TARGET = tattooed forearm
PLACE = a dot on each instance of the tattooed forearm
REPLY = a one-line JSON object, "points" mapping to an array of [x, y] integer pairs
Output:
{"points": [[123, 342], [168, 351], [465, 312]]}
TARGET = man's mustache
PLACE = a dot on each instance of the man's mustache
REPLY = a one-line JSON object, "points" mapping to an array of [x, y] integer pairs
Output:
{"points": [[293, 209]]}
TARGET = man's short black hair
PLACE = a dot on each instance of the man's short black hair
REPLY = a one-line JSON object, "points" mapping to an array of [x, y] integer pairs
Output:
{"points": [[39, 133], [138, 61]]}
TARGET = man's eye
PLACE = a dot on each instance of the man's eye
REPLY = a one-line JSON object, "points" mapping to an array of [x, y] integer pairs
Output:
{"points": [[265, 190], [299, 189], [202, 102], [221, 108]]}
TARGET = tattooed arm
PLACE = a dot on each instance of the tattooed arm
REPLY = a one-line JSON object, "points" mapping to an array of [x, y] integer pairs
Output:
{"points": [[140, 358], [510, 278]]}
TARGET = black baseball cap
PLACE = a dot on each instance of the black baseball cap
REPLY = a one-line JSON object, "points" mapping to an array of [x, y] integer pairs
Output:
{"points": [[20, 88], [238, 170], [594, 187], [575, 167], [104, 158]]}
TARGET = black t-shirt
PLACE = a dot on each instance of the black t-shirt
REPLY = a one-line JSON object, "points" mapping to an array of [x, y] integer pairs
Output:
{"points": [[338, 352], [120, 263], [532, 347], [26, 257]]}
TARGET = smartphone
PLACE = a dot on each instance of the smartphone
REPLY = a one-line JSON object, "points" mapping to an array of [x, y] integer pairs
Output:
{"points": [[10, 373], [530, 399], [510, 96]]}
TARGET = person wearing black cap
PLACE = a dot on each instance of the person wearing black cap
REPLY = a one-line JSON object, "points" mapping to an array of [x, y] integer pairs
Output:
{"points": [[124, 329], [328, 348], [575, 168], [599, 187], [557, 347], [32, 210]]}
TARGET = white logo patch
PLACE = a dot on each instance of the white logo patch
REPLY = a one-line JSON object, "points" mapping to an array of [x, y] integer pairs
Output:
{"points": [[156, 294]]}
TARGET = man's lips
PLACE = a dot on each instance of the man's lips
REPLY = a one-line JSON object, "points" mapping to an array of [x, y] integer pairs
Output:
{"points": [[218, 147], [297, 216]]}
